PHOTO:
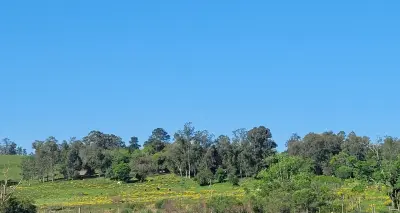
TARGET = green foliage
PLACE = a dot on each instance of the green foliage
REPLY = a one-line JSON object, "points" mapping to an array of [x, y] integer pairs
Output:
{"points": [[14, 205], [28, 168], [233, 179], [344, 172], [133, 144], [220, 175], [290, 184], [359, 188], [319, 148], [121, 171], [299, 179], [205, 177], [141, 165], [13, 162], [158, 140], [260, 146], [222, 204], [284, 167], [8, 147], [100, 191]]}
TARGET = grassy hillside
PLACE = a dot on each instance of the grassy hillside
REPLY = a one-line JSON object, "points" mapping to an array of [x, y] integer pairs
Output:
{"points": [[100, 191], [14, 163], [98, 194]]}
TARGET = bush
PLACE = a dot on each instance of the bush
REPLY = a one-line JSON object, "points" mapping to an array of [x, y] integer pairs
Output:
{"points": [[233, 179], [110, 173], [14, 205], [344, 172], [222, 204], [220, 175], [204, 177], [121, 171]]}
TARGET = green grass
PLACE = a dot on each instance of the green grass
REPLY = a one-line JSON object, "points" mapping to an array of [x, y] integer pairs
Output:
{"points": [[372, 195], [101, 191], [13, 162]]}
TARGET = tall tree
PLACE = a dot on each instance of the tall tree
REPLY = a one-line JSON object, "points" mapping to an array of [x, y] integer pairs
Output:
{"points": [[319, 147], [103, 141], [8, 147], [141, 165], [261, 145], [356, 146], [133, 144], [41, 164], [176, 159], [185, 139], [242, 151], [94, 156], [212, 159], [201, 142], [19, 151], [157, 140], [225, 151], [52, 155], [390, 148], [294, 145], [74, 160], [28, 166]]}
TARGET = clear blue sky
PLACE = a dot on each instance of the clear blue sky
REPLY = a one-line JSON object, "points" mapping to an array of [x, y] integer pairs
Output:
{"points": [[127, 67]]}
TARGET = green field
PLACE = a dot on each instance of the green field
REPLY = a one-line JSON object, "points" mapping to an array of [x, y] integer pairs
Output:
{"points": [[13, 162], [97, 194], [103, 192]]}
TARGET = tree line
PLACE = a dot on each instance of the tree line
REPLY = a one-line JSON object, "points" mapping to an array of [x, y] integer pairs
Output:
{"points": [[302, 176], [190, 153], [306, 177], [8, 147]]}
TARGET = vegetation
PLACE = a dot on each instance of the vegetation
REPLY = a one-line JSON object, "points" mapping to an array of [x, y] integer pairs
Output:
{"points": [[14, 205], [8, 202], [13, 164], [317, 173], [102, 191], [8, 147]]}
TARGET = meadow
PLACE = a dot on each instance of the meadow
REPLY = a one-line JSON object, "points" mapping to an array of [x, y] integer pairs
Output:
{"points": [[100, 194], [103, 192], [13, 162]]}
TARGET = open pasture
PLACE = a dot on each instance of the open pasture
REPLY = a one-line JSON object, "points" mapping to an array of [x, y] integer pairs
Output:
{"points": [[100, 191]]}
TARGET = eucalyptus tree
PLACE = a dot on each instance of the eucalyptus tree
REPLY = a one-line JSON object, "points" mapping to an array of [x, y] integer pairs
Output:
{"points": [[185, 138], [158, 139], [133, 144]]}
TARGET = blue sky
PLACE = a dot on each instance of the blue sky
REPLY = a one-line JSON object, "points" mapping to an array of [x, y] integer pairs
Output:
{"points": [[127, 67]]}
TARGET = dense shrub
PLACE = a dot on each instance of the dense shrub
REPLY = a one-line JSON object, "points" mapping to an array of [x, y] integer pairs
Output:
{"points": [[220, 175], [222, 204], [204, 177], [14, 205], [121, 171], [344, 172], [233, 179]]}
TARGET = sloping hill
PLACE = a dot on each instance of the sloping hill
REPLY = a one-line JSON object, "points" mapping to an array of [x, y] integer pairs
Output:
{"points": [[14, 163]]}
